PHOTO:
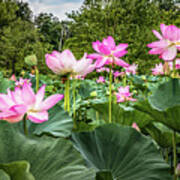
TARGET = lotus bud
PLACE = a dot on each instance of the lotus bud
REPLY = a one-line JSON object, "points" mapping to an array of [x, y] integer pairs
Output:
{"points": [[93, 94], [31, 60], [143, 77], [135, 126]]}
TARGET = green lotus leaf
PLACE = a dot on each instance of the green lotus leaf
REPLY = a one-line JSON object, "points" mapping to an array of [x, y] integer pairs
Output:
{"points": [[18, 170], [4, 175], [167, 95], [123, 151], [161, 134], [49, 158], [169, 117], [104, 175]]}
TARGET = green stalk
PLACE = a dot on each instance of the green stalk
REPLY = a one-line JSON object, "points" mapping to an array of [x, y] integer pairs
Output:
{"points": [[110, 94], [74, 103], [37, 78], [174, 68], [124, 80], [25, 125], [65, 97], [68, 96], [174, 153], [167, 157]]}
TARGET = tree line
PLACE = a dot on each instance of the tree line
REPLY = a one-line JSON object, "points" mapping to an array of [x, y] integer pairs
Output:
{"points": [[128, 21]]}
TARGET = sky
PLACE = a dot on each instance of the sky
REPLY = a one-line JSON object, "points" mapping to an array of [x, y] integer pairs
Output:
{"points": [[56, 7]]}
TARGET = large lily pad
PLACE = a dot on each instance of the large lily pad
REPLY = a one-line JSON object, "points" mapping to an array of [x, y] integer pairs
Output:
{"points": [[167, 95], [49, 158], [169, 117], [123, 151], [18, 170], [161, 134]]}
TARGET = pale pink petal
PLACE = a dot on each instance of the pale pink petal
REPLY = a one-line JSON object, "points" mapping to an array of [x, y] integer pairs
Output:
{"points": [[11, 117], [120, 53], [109, 41], [5, 102], [100, 62], [158, 44], [172, 33], [19, 109], [121, 63], [53, 63], [157, 34], [68, 59], [169, 54], [121, 46], [96, 45], [163, 29], [51, 101], [40, 95], [94, 56], [38, 117], [17, 96], [28, 95], [156, 51]]}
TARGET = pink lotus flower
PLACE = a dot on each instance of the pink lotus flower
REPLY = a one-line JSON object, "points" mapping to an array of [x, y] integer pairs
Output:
{"points": [[100, 80], [135, 126], [131, 69], [61, 63], [65, 63], [13, 78], [15, 104], [168, 44], [158, 70], [22, 81], [109, 53], [124, 94]]}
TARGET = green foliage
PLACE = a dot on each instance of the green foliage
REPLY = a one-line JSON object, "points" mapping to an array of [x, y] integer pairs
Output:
{"points": [[122, 151], [18, 170], [49, 158]]}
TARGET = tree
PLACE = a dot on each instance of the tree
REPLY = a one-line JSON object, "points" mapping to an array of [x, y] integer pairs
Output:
{"points": [[50, 27]]}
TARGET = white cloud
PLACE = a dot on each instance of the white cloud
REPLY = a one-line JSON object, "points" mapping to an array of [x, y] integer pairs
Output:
{"points": [[58, 8]]}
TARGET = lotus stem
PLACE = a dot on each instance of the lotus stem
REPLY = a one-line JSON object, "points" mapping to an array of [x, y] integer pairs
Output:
{"points": [[65, 97], [74, 103], [37, 78], [174, 68], [68, 96], [174, 153], [124, 80], [110, 94], [167, 155], [25, 125]]}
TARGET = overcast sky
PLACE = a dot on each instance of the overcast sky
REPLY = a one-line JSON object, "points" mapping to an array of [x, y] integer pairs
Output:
{"points": [[56, 7]]}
